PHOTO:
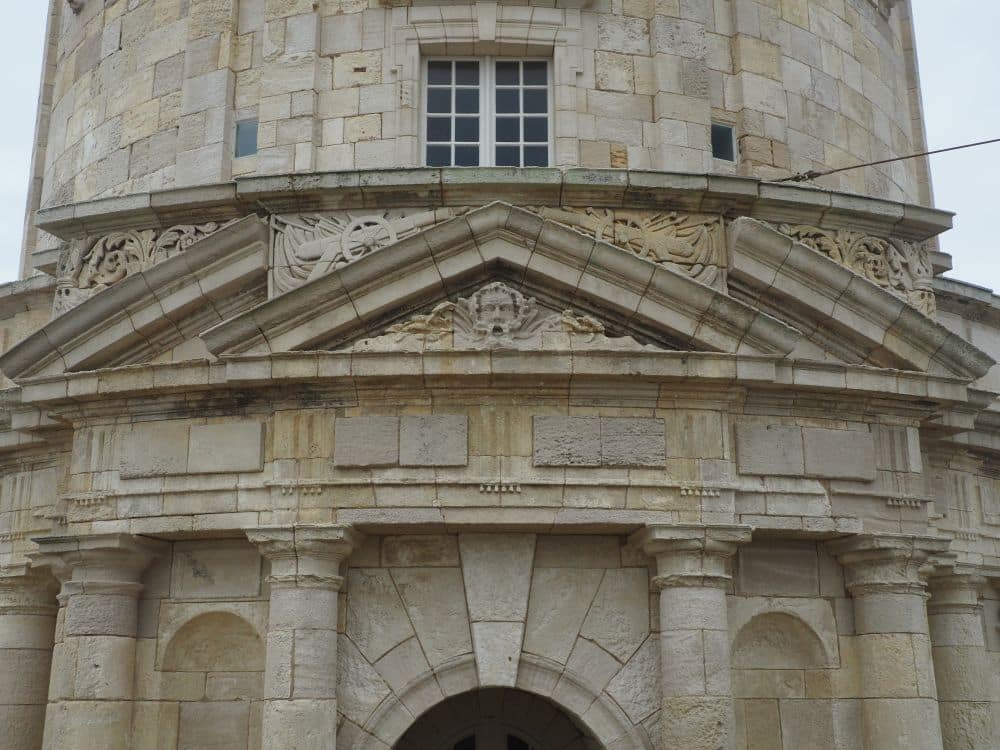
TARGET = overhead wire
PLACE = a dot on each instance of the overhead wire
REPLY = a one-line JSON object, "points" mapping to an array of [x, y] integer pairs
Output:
{"points": [[814, 174]]}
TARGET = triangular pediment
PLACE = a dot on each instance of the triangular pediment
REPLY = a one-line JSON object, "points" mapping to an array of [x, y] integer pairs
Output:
{"points": [[152, 310], [840, 311], [566, 271]]}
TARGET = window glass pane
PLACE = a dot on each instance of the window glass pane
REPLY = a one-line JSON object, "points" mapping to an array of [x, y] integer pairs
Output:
{"points": [[246, 138], [439, 100], [536, 100], [536, 156], [439, 71], [438, 129], [507, 100], [467, 100], [508, 129], [536, 73], [722, 142], [467, 129], [536, 130], [439, 156], [508, 156], [467, 72], [507, 73], [466, 156]]}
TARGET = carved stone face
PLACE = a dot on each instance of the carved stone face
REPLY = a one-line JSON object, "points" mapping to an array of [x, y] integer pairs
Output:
{"points": [[497, 310], [76, 5]]}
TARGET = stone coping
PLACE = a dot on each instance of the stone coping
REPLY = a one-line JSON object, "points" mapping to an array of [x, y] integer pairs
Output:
{"points": [[427, 187], [475, 369], [27, 294]]}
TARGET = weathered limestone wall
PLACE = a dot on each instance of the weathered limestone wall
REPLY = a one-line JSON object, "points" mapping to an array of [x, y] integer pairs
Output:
{"points": [[145, 95]]}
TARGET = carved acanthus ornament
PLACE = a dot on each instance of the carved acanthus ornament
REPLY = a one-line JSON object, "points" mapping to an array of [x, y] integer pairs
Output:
{"points": [[87, 267], [307, 246], [693, 244], [902, 268], [496, 317]]}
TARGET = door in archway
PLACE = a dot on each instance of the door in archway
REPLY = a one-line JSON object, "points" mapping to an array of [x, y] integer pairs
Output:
{"points": [[497, 719], [486, 738]]}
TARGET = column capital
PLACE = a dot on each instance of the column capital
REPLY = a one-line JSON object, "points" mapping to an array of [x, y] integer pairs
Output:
{"points": [[305, 555], [27, 591], [955, 588], [886, 563], [98, 563], [691, 554]]}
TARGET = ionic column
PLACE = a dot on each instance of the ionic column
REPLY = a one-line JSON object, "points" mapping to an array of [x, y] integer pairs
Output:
{"points": [[300, 678], [899, 700], [27, 623], [692, 577], [961, 663], [91, 690]]}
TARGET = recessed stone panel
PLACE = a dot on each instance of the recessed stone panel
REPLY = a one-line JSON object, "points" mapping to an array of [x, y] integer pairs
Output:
{"points": [[223, 448], [434, 440], [215, 570], [567, 441], [366, 441], [153, 450], [839, 454], [629, 441], [769, 449]]}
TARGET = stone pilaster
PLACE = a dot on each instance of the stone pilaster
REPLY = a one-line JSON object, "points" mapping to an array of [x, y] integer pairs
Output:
{"points": [[961, 664], [899, 699], [27, 623], [93, 662], [300, 679], [693, 575]]}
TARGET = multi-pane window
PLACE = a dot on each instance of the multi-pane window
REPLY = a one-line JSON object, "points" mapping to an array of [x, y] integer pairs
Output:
{"points": [[489, 112]]}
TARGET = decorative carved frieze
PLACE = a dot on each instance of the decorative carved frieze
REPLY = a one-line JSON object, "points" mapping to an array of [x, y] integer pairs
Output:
{"points": [[693, 244], [496, 317], [88, 266], [307, 246], [902, 268]]}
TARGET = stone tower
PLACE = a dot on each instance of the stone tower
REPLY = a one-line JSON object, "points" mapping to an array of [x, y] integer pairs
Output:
{"points": [[444, 375]]}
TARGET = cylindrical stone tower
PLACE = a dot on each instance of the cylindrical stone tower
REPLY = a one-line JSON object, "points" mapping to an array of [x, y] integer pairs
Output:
{"points": [[453, 375]]}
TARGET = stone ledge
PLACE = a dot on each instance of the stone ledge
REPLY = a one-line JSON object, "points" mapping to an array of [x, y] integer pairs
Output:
{"points": [[397, 188]]}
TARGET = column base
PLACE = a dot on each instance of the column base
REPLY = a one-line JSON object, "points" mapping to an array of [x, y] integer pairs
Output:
{"points": [[698, 722], [302, 723]]}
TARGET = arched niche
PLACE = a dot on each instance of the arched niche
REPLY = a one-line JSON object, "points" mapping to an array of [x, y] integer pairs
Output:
{"points": [[223, 653], [777, 640], [778, 661], [215, 642]]}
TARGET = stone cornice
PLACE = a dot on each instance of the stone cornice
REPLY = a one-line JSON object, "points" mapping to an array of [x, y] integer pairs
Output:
{"points": [[350, 370], [398, 188]]}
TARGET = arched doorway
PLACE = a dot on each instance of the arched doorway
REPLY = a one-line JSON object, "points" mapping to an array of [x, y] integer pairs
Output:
{"points": [[497, 719]]}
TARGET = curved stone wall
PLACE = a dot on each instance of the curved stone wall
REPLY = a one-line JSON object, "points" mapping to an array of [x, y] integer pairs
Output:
{"points": [[145, 96]]}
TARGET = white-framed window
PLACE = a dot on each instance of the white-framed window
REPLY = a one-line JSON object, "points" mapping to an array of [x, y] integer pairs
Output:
{"points": [[485, 112]]}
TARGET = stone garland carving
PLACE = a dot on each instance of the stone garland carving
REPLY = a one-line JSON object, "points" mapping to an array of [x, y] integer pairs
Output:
{"points": [[496, 317], [693, 244], [903, 268], [307, 246], [87, 267]]}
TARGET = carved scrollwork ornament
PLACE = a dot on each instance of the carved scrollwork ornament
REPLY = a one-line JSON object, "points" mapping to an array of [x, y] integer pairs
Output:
{"points": [[902, 268], [88, 266]]}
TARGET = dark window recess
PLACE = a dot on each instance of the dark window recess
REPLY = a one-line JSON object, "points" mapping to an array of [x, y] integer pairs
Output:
{"points": [[246, 138], [469, 743], [513, 743], [723, 144]]}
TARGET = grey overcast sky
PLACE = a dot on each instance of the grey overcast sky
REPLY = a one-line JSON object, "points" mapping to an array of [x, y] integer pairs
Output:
{"points": [[959, 62]]}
